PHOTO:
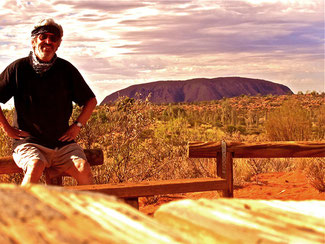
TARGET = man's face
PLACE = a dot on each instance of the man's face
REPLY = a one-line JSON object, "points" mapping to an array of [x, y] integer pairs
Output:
{"points": [[45, 46]]}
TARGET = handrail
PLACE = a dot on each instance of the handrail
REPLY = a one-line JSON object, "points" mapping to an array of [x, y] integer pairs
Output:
{"points": [[279, 149], [224, 152]]}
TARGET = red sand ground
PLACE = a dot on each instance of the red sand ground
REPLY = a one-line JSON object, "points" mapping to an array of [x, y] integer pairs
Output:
{"points": [[270, 186]]}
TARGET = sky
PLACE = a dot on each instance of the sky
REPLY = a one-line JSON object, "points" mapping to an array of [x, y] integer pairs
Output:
{"points": [[116, 44]]}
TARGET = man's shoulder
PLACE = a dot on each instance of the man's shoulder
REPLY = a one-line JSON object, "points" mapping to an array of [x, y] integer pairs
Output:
{"points": [[65, 62], [65, 65], [18, 62]]}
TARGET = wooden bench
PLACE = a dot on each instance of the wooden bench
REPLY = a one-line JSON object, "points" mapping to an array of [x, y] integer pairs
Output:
{"points": [[8, 166]]}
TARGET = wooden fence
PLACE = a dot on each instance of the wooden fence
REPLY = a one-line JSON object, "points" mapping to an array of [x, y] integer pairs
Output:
{"points": [[224, 152]]}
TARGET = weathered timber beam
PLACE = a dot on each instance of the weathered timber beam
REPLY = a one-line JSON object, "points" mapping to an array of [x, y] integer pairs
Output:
{"points": [[151, 188], [246, 221], [55, 215], [284, 149], [8, 166]]}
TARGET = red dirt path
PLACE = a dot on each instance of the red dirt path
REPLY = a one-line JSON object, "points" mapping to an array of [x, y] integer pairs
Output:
{"points": [[276, 186]]}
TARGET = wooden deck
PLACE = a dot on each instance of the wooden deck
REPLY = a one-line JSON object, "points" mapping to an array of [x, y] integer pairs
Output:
{"points": [[43, 214]]}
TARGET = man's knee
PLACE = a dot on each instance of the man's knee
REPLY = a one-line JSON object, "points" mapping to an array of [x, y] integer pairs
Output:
{"points": [[82, 165], [81, 172], [35, 164], [34, 171]]}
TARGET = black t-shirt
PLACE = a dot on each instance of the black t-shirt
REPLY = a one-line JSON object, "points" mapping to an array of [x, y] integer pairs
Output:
{"points": [[43, 103]]}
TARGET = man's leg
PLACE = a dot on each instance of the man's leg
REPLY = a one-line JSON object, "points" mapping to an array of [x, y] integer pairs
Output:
{"points": [[81, 172], [34, 171], [72, 160], [31, 160]]}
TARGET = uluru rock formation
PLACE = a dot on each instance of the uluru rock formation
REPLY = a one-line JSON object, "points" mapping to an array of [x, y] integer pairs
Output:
{"points": [[200, 89]]}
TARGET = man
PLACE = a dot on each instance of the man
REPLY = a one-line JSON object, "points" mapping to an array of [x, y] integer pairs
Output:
{"points": [[44, 87]]}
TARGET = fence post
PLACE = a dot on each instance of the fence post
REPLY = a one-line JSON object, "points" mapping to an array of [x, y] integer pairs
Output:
{"points": [[224, 157], [219, 165], [225, 168], [229, 175]]}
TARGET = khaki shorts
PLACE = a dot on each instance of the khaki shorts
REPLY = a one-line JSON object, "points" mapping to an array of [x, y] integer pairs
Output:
{"points": [[57, 160]]}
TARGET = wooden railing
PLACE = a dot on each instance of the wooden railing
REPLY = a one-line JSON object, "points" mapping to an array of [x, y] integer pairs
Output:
{"points": [[224, 152]]}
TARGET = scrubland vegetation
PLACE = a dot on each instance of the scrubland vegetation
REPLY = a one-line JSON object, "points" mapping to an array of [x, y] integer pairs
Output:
{"points": [[144, 141]]}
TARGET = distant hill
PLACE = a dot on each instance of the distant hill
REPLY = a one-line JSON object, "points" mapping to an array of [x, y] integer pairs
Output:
{"points": [[200, 89]]}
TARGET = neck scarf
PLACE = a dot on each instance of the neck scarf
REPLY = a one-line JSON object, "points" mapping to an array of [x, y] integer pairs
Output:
{"points": [[39, 66]]}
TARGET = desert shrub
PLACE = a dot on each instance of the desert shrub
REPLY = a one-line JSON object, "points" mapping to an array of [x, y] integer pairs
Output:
{"points": [[5, 145], [5, 141], [281, 165], [258, 166], [124, 139], [174, 131], [91, 135], [315, 173], [6, 150], [230, 129], [242, 172], [137, 147], [319, 127], [173, 112], [245, 169], [290, 122]]}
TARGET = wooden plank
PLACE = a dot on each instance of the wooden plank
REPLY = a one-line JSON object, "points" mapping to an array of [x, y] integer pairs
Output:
{"points": [[246, 221], [229, 175], [40, 214], [150, 188], [198, 149], [219, 165], [8, 166], [259, 150]]}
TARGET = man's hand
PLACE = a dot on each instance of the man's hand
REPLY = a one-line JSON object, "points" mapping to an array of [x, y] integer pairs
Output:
{"points": [[16, 133], [9, 130], [71, 133], [86, 111]]}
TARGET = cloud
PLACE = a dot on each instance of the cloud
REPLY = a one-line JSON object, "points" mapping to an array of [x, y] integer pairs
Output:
{"points": [[231, 28], [155, 40], [102, 5]]}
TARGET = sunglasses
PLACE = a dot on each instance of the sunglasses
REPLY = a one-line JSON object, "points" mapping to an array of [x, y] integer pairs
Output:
{"points": [[44, 36]]}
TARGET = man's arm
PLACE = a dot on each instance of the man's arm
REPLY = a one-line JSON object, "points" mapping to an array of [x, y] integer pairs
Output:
{"points": [[83, 117], [9, 130]]}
